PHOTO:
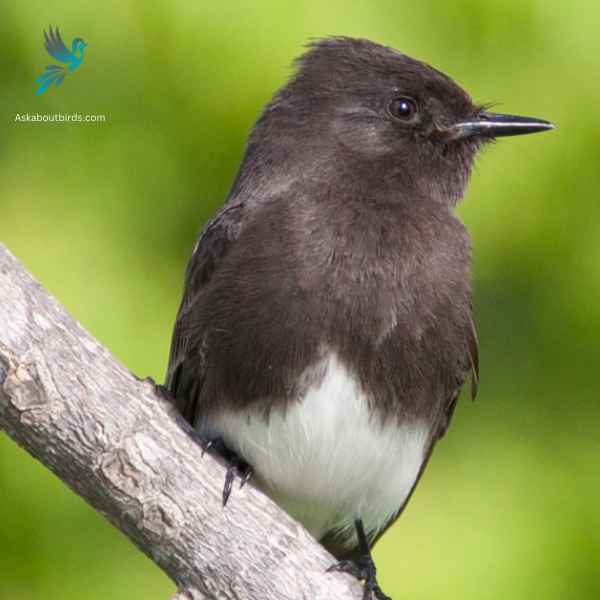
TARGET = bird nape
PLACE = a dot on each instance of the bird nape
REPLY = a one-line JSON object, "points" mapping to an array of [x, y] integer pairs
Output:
{"points": [[325, 329]]}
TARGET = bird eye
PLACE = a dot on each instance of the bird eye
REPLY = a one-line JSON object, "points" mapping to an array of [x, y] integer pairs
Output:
{"points": [[403, 108]]}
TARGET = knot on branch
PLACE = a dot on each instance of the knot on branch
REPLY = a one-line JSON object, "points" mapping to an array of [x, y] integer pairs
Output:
{"points": [[132, 471], [20, 385]]}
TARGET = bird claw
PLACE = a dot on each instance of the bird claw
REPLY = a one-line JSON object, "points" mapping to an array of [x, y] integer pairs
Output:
{"points": [[364, 570], [246, 476], [206, 446], [345, 566], [236, 466]]}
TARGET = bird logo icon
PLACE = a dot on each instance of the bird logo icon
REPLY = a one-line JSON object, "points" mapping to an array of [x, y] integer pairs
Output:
{"points": [[56, 48]]}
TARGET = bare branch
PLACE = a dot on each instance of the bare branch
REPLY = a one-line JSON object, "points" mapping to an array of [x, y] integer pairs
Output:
{"points": [[125, 450]]}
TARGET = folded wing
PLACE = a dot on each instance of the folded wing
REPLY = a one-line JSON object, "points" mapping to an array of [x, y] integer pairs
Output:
{"points": [[186, 371]]}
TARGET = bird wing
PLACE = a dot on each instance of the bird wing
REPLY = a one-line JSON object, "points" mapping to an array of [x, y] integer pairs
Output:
{"points": [[469, 364], [472, 348], [187, 368], [56, 47]]}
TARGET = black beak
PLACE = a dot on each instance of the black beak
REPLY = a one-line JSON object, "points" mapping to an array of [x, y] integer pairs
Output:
{"points": [[492, 125]]}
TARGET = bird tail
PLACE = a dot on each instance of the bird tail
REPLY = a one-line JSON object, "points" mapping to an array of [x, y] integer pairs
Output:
{"points": [[53, 74]]}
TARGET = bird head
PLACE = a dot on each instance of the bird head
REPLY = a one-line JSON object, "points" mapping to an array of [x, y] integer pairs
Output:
{"points": [[78, 45], [390, 114]]}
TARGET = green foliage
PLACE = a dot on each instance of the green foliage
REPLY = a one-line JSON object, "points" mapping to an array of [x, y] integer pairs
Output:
{"points": [[106, 215]]}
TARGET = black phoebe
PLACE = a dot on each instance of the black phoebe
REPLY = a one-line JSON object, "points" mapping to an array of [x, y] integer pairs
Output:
{"points": [[325, 329]]}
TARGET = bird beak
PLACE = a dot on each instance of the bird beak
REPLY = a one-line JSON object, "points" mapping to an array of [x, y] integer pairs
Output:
{"points": [[492, 125]]}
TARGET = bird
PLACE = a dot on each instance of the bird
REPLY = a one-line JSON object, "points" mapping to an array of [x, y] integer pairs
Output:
{"points": [[326, 328], [56, 48]]}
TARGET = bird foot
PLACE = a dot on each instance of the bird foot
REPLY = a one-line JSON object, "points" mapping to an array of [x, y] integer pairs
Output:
{"points": [[236, 466], [364, 570]]}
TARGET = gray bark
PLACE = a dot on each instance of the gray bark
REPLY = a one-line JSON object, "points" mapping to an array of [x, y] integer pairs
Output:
{"points": [[125, 450]]}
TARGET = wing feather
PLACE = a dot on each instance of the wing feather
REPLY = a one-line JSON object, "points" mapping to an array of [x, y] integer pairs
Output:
{"points": [[56, 47], [473, 357], [186, 370]]}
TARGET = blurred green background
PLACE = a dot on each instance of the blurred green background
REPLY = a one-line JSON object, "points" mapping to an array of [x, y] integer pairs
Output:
{"points": [[105, 215]]}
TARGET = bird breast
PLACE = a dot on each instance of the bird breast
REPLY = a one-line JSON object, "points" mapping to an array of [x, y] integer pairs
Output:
{"points": [[327, 458]]}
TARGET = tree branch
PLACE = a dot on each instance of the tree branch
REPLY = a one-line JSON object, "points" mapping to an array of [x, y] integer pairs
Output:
{"points": [[126, 451]]}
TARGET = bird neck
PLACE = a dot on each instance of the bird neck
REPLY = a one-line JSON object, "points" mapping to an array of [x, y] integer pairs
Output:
{"points": [[276, 161], [78, 54]]}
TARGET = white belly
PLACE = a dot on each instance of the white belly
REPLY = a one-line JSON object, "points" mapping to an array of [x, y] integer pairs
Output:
{"points": [[326, 460]]}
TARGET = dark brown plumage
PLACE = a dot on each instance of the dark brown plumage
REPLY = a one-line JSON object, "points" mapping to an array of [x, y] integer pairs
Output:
{"points": [[339, 238]]}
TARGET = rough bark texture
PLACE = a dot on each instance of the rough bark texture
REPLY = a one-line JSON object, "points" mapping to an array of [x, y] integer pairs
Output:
{"points": [[105, 433]]}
